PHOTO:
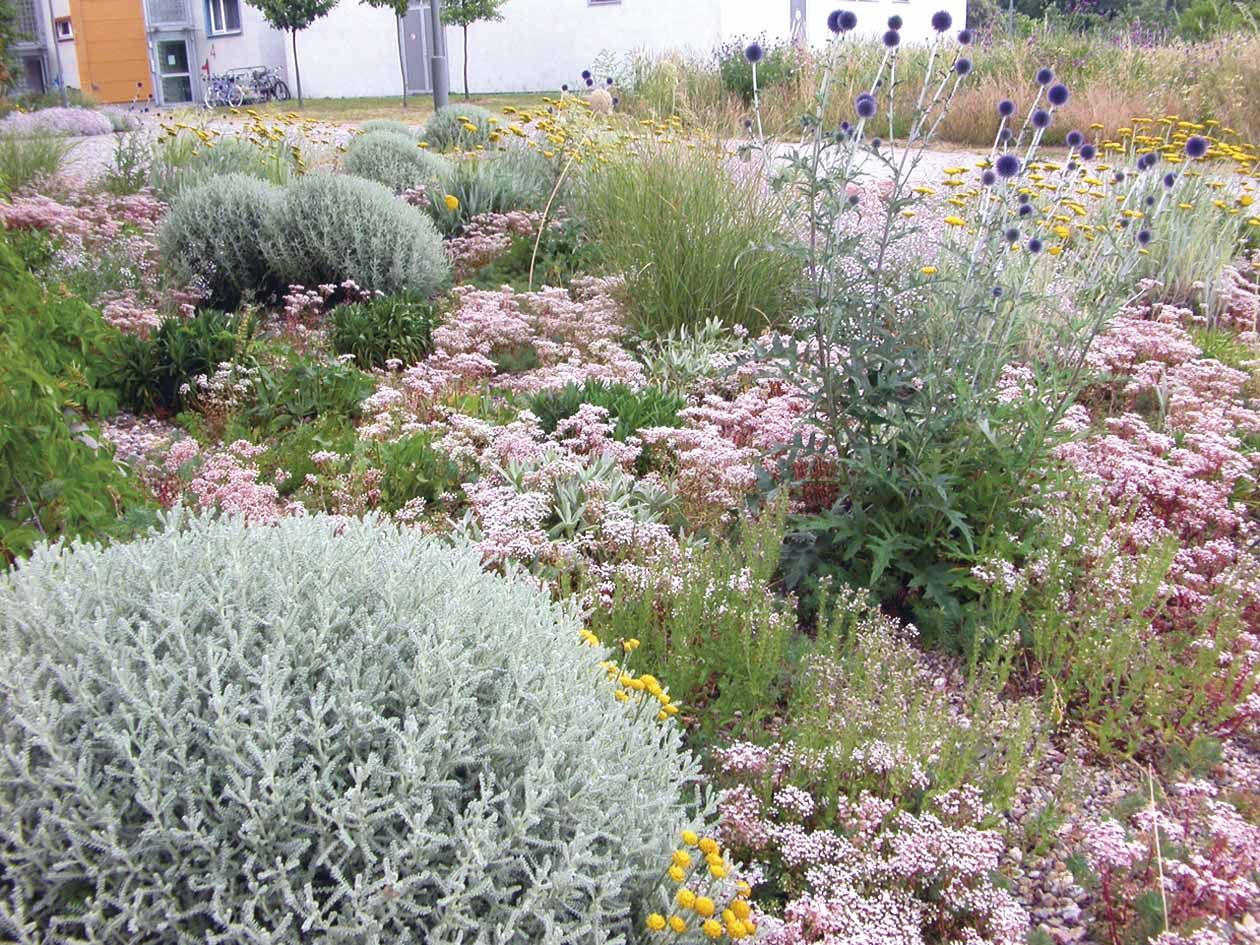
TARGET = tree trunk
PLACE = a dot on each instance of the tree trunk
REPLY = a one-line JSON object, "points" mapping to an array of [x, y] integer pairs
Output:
{"points": [[297, 70], [402, 57], [465, 62]]}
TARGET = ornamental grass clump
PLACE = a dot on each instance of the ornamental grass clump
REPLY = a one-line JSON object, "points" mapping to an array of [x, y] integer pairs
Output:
{"points": [[395, 160], [324, 730], [458, 127], [214, 234], [332, 227]]}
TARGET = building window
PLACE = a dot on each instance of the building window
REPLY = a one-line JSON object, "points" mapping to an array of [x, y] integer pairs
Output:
{"points": [[601, 3], [224, 16], [63, 29]]}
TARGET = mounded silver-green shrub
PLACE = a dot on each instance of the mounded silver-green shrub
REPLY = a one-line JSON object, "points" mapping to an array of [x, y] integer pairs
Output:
{"points": [[214, 234], [321, 731], [389, 124], [449, 128], [395, 160], [333, 227]]}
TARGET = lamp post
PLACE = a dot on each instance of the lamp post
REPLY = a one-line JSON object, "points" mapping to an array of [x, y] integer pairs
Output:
{"points": [[438, 68]]}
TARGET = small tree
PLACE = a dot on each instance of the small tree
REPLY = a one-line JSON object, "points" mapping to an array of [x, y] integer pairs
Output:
{"points": [[8, 36], [293, 16], [400, 10], [464, 13]]}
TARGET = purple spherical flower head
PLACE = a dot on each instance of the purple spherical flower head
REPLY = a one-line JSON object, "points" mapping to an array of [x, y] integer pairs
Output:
{"points": [[895, 22], [608, 81], [1169, 179], [965, 37], [1045, 76], [616, 101], [1025, 210], [754, 53], [845, 126], [988, 178], [941, 21], [962, 66], [865, 105], [841, 21], [586, 74], [1058, 95], [1034, 245], [1041, 118], [565, 87], [1012, 235], [892, 39], [1144, 237], [1005, 135], [1075, 139], [1007, 165], [590, 83], [1006, 108], [1196, 146], [1088, 152]]}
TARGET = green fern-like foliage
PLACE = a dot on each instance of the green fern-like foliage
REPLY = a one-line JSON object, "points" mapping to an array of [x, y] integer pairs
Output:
{"points": [[395, 160], [463, 127], [333, 227], [214, 233], [324, 731], [630, 410]]}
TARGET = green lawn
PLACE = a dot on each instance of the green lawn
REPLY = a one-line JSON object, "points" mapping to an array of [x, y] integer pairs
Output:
{"points": [[419, 107]]}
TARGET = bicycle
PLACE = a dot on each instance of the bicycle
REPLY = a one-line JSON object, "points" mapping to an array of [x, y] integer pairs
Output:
{"points": [[268, 85], [223, 90]]}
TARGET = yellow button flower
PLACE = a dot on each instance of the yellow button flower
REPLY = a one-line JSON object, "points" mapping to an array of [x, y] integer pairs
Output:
{"points": [[678, 923], [452, 202], [704, 906], [708, 845], [712, 928], [681, 858], [690, 838], [677, 874], [656, 922], [929, 270], [686, 898]]}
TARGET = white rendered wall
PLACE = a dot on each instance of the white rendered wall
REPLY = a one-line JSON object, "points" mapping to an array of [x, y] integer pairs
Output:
{"points": [[68, 51], [543, 44], [257, 44], [351, 52], [750, 18]]}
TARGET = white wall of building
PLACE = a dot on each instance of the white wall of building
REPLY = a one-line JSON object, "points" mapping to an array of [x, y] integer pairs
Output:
{"points": [[751, 18], [257, 44], [352, 51], [543, 44], [67, 51]]}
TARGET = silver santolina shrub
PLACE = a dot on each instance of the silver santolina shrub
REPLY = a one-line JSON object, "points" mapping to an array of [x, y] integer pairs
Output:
{"points": [[321, 731], [333, 227], [394, 160]]}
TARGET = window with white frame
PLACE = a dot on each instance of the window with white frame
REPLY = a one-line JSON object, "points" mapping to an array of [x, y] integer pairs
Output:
{"points": [[63, 29], [223, 16]]}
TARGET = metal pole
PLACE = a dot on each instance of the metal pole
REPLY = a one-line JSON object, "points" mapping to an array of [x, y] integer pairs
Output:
{"points": [[56, 45], [437, 59]]}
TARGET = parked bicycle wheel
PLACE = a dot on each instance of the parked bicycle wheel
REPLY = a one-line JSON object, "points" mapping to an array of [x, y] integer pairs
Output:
{"points": [[280, 91], [235, 95]]}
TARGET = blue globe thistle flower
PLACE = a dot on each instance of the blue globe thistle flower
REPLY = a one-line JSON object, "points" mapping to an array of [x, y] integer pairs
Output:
{"points": [[892, 39], [895, 22], [997, 291], [748, 124], [941, 21], [1075, 139], [590, 83], [1012, 235], [845, 126], [1041, 118], [1005, 135], [853, 200], [754, 53], [1058, 95], [586, 74], [608, 81], [1169, 179], [1088, 152], [616, 101], [1007, 166], [1124, 223], [1150, 201], [1006, 108], [565, 87], [965, 37], [1025, 210], [1045, 76], [1196, 146], [1144, 237], [962, 66], [875, 143], [841, 21], [865, 105], [988, 178], [1034, 245], [1119, 177], [1024, 198]]}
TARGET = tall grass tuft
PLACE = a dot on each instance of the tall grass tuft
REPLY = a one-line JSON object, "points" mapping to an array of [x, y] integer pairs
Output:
{"points": [[692, 239], [25, 161]]}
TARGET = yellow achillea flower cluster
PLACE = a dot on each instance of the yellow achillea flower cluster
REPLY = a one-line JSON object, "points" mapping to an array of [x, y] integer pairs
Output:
{"points": [[640, 689], [698, 867]]}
